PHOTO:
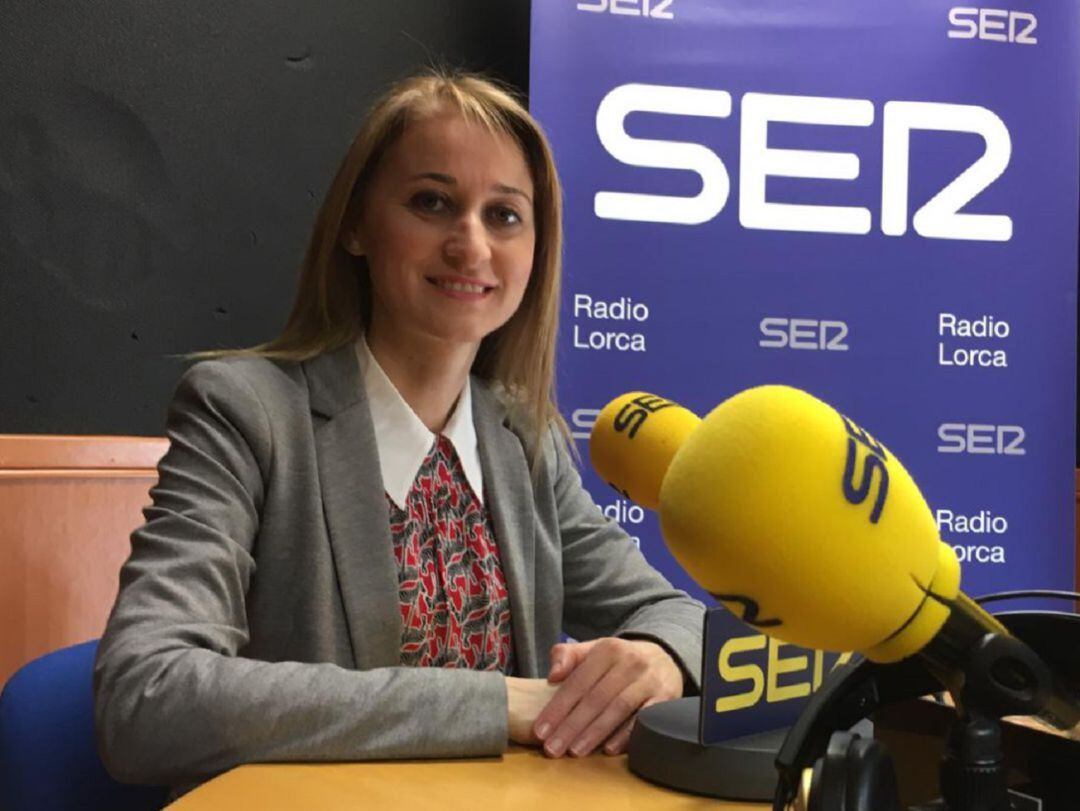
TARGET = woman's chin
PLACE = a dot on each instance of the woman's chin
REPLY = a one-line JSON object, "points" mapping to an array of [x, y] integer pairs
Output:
{"points": [[461, 336], [462, 332]]}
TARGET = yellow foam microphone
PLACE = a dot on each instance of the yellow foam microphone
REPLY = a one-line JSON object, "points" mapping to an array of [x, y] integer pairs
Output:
{"points": [[792, 515]]}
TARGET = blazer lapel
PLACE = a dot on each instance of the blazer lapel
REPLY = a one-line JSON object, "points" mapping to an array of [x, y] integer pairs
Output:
{"points": [[508, 489], [354, 501]]}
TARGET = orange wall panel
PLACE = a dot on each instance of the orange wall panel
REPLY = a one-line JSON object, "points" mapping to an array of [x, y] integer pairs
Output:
{"points": [[68, 506]]}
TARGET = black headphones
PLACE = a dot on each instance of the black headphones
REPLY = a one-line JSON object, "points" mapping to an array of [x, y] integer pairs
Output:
{"points": [[854, 773], [838, 770]]}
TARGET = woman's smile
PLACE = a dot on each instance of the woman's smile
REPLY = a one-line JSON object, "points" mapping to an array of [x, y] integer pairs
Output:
{"points": [[461, 289]]}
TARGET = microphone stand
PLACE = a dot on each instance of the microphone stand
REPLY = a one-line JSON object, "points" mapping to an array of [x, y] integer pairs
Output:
{"points": [[973, 771], [1002, 675]]}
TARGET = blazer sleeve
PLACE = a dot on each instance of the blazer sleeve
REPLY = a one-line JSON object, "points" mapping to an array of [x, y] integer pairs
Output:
{"points": [[609, 589], [174, 703]]}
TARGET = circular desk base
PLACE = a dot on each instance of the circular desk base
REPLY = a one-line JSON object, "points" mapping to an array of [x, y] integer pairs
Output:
{"points": [[664, 749]]}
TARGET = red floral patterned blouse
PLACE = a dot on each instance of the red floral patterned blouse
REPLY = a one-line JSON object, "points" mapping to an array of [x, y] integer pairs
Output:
{"points": [[454, 606]]}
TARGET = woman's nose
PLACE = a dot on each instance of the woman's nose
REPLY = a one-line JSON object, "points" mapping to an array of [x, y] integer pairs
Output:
{"points": [[467, 245]]}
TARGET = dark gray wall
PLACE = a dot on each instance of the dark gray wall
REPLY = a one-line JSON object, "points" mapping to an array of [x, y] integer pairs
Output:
{"points": [[160, 169]]}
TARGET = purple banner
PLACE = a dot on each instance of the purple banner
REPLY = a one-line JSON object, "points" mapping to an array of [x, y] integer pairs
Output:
{"points": [[874, 203]]}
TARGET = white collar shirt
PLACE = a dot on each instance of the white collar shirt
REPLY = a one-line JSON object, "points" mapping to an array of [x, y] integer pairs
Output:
{"points": [[402, 439]]}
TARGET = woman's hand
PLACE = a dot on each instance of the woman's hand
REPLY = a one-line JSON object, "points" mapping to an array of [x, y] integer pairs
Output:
{"points": [[525, 698], [601, 686]]}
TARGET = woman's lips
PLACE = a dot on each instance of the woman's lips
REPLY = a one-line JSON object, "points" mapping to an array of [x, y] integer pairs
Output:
{"points": [[459, 289]]}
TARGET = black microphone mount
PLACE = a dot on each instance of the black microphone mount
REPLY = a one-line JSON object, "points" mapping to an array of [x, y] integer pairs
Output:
{"points": [[1030, 667]]}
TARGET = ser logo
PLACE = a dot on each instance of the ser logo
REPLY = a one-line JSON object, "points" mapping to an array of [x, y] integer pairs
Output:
{"points": [[992, 25], [999, 440], [633, 415], [857, 493], [755, 666], [582, 421], [803, 333], [941, 217], [651, 9]]}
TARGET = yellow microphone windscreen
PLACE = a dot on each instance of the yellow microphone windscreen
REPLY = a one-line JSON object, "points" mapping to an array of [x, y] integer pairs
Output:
{"points": [[634, 439], [806, 526]]}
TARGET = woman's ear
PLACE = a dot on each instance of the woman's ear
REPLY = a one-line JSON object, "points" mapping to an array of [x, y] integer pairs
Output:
{"points": [[351, 234], [351, 239]]}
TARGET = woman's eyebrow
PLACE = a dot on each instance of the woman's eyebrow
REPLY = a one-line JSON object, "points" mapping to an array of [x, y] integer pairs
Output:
{"points": [[438, 177], [503, 189], [449, 180]]}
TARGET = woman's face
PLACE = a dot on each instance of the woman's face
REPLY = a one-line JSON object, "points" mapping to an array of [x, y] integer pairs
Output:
{"points": [[447, 228]]}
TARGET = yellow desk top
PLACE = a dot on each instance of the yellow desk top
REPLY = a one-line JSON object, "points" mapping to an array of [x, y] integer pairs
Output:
{"points": [[522, 779]]}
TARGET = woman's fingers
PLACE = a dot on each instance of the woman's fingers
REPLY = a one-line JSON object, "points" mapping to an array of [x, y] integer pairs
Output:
{"points": [[600, 696]]}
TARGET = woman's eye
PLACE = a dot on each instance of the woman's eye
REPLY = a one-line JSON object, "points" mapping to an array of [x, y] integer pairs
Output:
{"points": [[429, 201], [503, 215]]}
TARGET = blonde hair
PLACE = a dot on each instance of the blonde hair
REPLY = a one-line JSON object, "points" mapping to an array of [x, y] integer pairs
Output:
{"points": [[333, 297]]}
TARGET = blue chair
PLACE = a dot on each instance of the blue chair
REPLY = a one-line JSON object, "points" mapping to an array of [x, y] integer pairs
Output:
{"points": [[48, 756]]}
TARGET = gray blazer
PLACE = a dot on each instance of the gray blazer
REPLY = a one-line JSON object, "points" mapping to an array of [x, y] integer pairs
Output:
{"points": [[258, 615]]}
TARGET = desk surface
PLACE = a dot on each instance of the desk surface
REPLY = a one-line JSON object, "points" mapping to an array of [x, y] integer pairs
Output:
{"points": [[522, 779]]}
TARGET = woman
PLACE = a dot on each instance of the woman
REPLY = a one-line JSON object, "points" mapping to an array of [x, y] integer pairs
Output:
{"points": [[368, 533]]}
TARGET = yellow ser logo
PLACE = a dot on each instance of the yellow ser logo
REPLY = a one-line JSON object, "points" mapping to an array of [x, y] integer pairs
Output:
{"points": [[764, 681]]}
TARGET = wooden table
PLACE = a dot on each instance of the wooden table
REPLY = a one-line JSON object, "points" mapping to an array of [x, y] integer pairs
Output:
{"points": [[522, 779]]}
